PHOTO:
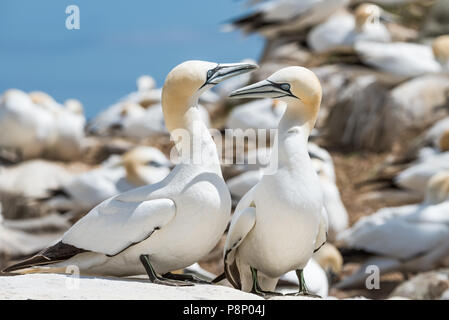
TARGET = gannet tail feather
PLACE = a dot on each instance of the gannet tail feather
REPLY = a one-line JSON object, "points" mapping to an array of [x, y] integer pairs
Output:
{"points": [[56, 253]]}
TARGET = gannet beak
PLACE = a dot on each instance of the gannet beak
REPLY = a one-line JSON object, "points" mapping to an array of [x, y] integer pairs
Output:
{"points": [[389, 17], [225, 71], [264, 89]]}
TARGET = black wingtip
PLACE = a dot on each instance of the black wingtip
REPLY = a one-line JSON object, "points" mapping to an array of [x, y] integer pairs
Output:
{"points": [[219, 278]]}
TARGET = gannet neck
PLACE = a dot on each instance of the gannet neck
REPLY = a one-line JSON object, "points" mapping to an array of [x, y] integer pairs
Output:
{"points": [[299, 117], [192, 138], [133, 175]]}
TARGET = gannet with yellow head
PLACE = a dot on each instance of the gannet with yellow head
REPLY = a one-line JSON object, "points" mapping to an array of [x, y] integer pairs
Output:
{"points": [[440, 48], [165, 226], [342, 30], [281, 221]]}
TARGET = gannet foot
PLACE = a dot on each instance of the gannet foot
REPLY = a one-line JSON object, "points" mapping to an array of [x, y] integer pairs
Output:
{"points": [[185, 278], [257, 290], [303, 291], [155, 278]]}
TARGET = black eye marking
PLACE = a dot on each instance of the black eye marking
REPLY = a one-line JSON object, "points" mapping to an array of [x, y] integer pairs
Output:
{"points": [[153, 163], [210, 73], [284, 87]]}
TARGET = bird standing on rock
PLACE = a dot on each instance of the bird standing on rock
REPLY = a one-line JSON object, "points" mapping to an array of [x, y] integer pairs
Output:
{"points": [[165, 226], [281, 221]]}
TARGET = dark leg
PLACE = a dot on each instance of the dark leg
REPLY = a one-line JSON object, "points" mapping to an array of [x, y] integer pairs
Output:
{"points": [[256, 288], [303, 291], [155, 278], [185, 277]]}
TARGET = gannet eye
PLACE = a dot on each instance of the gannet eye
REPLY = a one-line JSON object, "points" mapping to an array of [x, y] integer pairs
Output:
{"points": [[210, 73], [285, 86], [153, 163]]}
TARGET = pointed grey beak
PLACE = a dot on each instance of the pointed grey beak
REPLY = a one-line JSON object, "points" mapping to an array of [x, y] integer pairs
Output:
{"points": [[225, 71], [263, 89], [389, 17]]}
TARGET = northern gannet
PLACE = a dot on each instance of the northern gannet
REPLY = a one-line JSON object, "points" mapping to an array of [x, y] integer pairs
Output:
{"points": [[323, 165], [279, 16], [342, 30], [281, 221], [418, 174], [69, 137], [24, 126], [165, 226], [401, 59], [139, 113], [66, 138], [138, 167], [410, 238], [438, 135], [34, 178], [440, 48]]}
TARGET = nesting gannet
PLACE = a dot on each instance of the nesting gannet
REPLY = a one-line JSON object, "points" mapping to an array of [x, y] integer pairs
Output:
{"points": [[138, 114], [69, 131], [417, 175], [320, 272], [440, 48], [137, 167], [145, 123], [438, 135], [165, 226], [34, 178], [342, 30], [24, 126], [281, 221], [279, 16], [258, 114], [401, 59], [408, 238]]}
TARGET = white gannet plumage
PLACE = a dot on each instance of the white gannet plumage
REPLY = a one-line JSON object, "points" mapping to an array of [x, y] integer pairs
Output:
{"points": [[323, 165], [140, 166], [409, 238], [438, 135], [342, 30], [398, 58], [168, 225], [281, 221], [273, 17], [321, 270], [34, 178], [24, 126], [258, 114], [418, 174], [138, 114]]}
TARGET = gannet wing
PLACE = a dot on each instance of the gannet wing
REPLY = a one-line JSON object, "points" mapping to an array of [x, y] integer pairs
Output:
{"points": [[395, 237], [241, 224], [322, 231], [114, 225]]}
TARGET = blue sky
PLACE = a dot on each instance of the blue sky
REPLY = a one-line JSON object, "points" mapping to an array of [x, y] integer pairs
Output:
{"points": [[117, 42]]}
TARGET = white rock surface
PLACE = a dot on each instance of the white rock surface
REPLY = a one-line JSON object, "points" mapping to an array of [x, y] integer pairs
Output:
{"points": [[51, 286]]}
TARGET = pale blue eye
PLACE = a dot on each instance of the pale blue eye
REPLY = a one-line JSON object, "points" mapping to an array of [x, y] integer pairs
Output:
{"points": [[210, 73], [285, 86]]}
